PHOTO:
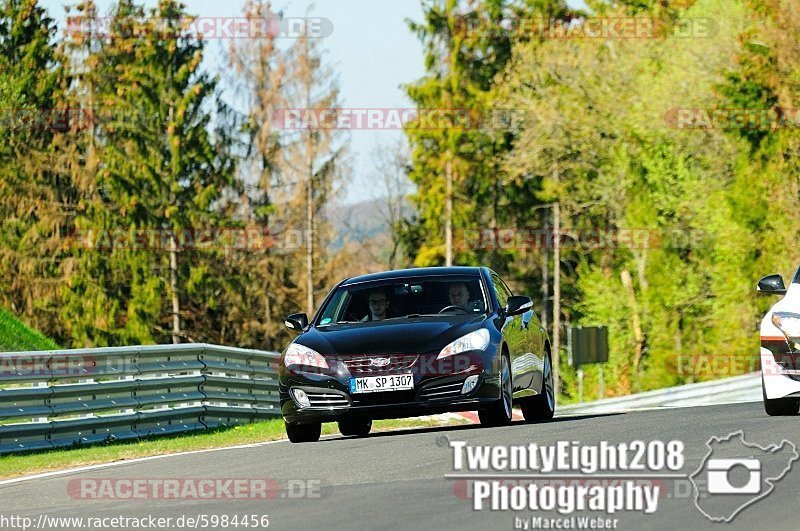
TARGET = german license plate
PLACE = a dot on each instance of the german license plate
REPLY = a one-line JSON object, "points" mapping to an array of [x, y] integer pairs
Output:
{"points": [[379, 384]]}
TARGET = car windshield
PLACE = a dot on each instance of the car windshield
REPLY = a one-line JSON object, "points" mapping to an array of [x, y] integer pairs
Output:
{"points": [[403, 298]]}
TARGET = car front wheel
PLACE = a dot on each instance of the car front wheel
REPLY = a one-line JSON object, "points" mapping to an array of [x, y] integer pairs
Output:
{"points": [[500, 413], [542, 406], [779, 407], [300, 433]]}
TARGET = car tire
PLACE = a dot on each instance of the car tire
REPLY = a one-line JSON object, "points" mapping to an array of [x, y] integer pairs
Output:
{"points": [[500, 413], [779, 407], [355, 428], [300, 433], [542, 406]]}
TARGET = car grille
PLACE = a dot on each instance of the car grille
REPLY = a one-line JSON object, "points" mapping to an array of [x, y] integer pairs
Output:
{"points": [[364, 366], [389, 398], [789, 369], [784, 361], [441, 391], [327, 400]]}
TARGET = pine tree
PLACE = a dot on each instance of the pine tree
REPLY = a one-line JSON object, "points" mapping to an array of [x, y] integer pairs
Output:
{"points": [[310, 160], [161, 169], [33, 199], [263, 297]]}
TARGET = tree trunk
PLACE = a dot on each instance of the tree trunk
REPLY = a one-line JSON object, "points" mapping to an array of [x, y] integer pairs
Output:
{"points": [[309, 197], [173, 251], [556, 294], [310, 234], [448, 215], [545, 265], [173, 286], [627, 281], [268, 319]]}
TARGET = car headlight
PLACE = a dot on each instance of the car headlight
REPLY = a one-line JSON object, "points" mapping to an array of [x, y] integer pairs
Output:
{"points": [[788, 323], [477, 340], [301, 356]]}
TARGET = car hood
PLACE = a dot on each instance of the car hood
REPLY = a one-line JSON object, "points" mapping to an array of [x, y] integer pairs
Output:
{"points": [[408, 336]]}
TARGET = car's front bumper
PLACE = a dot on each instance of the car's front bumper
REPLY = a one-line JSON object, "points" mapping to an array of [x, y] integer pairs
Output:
{"points": [[331, 399], [780, 370]]}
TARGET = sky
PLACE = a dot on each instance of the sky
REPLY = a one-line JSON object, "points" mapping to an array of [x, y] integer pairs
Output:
{"points": [[370, 48]]}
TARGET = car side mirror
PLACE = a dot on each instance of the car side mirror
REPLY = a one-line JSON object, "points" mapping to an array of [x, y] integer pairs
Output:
{"points": [[296, 322], [771, 285], [517, 304]]}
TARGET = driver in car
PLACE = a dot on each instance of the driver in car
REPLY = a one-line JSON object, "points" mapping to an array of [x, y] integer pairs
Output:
{"points": [[458, 293]]}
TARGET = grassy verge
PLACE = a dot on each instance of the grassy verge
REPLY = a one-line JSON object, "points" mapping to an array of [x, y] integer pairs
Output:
{"points": [[15, 336], [36, 462]]}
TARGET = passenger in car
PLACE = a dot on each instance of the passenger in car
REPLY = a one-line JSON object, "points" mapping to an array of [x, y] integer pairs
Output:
{"points": [[378, 305]]}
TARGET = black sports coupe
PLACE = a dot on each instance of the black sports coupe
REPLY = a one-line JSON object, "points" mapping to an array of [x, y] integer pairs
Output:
{"points": [[415, 342]]}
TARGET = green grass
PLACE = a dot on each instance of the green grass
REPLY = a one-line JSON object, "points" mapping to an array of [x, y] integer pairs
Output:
{"points": [[48, 460], [16, 337]]}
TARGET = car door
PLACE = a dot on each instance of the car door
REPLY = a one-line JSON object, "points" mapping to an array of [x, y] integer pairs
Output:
{"points": [[514, 335], [528, 361], [535, 340]]}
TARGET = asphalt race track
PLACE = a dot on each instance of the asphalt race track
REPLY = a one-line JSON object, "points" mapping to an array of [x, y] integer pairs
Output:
{"points": [[396, 480]]}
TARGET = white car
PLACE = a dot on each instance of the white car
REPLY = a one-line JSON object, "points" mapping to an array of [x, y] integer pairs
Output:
{"points": [[780, 347]]}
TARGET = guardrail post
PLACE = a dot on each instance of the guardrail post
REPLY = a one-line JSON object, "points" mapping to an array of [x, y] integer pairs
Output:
{"points": [[201, 386]]}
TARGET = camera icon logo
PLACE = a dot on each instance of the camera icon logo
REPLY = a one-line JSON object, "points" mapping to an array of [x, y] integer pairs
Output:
{"points": [[720, 472], [736, 474]]}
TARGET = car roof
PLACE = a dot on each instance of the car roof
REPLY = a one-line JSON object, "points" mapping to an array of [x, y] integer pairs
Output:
{"points": [[415, 272]]}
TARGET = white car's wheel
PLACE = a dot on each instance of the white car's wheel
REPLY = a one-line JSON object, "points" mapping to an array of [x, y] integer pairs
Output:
{"points": [[779, 407]]}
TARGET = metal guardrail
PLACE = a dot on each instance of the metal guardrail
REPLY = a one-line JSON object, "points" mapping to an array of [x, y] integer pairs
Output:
{"points": [[745, 388], [60, 398]]}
